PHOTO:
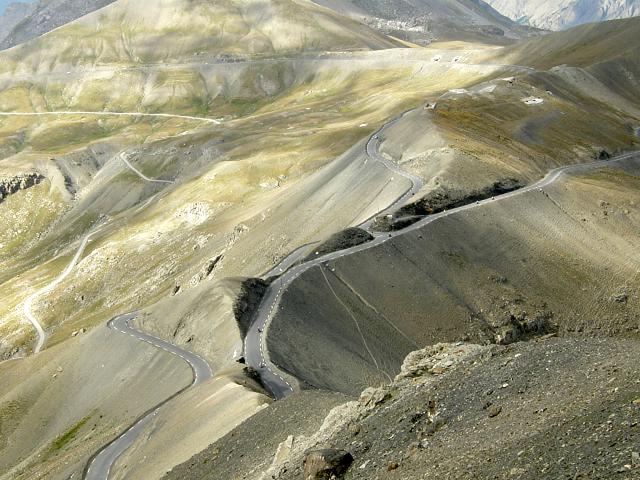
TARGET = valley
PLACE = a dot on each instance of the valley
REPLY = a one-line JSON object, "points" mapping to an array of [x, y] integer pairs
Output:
{"points": [[225, 221]]}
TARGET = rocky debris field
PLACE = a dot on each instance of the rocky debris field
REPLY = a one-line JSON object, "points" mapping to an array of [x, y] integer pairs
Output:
{"points": [[249, 449], [552, 408]]}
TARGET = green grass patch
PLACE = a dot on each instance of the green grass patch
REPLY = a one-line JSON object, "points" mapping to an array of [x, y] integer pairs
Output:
{"points": [[67, 437]]}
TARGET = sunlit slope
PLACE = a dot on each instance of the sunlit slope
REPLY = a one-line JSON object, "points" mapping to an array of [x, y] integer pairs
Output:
{"points": [[581, 46], [129, 32], [244, 189]]}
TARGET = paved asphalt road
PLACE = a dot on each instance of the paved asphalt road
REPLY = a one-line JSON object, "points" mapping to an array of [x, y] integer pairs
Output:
{"points": [[255, 341], [99, 465]]}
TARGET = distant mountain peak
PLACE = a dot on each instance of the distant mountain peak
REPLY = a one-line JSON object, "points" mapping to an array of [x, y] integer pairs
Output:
{"points": [[22, 21], [562, 14]]}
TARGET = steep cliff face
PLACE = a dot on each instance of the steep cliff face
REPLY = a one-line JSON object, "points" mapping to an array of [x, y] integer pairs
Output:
{"points": [[561, 14], [9, 185]]}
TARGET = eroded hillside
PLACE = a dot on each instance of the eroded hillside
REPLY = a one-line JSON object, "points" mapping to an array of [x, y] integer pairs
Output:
{"points": [[187, 159]]}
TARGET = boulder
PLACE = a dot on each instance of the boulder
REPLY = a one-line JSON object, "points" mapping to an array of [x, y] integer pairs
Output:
{"points": [[326, 463]]}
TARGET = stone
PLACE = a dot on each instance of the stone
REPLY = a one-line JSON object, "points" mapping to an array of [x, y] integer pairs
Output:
{"points": [[621, 297], [494, 411], [284, 451], [372, 396], [392, 466], [326, 463]]}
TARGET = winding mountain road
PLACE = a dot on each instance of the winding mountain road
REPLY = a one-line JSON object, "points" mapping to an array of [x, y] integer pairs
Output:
{"points": [[28, 303], [255, 342], [256, 353], [99, 465]]}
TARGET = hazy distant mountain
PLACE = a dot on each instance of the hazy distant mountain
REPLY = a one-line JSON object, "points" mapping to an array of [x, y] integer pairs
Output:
{"points": [[422, 21], [12, 15], [561, 14], [21, 22]]}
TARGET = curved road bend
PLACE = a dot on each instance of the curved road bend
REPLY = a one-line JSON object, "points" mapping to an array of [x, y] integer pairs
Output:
{"points": [[26, 306], [372, 153], [28, 303], [99, 466], [255, 341]]}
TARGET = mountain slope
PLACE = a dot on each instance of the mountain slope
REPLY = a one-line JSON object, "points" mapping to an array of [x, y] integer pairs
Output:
{"points": [[581, 46], [423, 21], [13, 14], [22, 22], [128, 32], [561, 14]]}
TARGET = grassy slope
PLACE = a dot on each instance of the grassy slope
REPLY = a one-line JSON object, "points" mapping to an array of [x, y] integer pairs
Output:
{"points": [[581, 46], [128, 32]]}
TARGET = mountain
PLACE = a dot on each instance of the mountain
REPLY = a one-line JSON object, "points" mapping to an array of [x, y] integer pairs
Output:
{"points": [[425, 21], [128, 32], [11, 16], [22, 22], [561, 14], [208, 205]]}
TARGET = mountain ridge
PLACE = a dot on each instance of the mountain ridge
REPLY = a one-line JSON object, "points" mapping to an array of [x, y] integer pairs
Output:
{"points": [[563, 14]]}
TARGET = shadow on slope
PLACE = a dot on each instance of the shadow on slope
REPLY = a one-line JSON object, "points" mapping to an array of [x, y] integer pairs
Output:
{"points": [[475, 275]]}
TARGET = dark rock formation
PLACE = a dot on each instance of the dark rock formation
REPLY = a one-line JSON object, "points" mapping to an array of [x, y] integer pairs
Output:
{"points": [[252, 291], [10, 185], [440, 200], [341, 240]]}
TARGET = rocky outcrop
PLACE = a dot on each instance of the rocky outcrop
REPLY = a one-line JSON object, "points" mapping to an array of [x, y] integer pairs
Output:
{"points": [[245, 306], [10, 185], [326, 463], [347, 238], [420, 367], [440, 200], [562, 14]]}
